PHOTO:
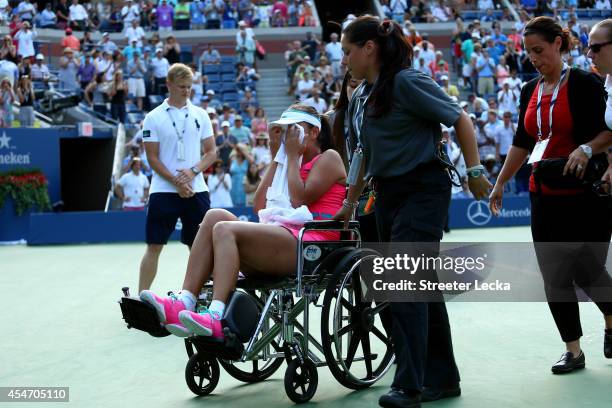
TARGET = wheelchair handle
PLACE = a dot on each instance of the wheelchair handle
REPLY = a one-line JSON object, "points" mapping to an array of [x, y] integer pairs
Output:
{"points": [[330, 225]]}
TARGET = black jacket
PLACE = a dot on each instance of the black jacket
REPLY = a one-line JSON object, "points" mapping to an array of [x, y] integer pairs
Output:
{"points": [[587, 102]]}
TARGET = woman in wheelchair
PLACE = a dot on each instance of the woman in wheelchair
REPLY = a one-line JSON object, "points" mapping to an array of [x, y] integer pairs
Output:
{"points": [[224, 245]]}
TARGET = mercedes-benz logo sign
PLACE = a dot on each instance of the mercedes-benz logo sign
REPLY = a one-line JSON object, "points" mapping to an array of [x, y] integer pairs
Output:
{"points": [[478, 213]]}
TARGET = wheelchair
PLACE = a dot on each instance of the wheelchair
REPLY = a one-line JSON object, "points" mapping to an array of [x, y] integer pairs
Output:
{"points": [[267, 322]]}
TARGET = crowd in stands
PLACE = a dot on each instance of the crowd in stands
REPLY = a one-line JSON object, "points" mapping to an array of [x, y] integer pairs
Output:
{"points": [[162, 15]]}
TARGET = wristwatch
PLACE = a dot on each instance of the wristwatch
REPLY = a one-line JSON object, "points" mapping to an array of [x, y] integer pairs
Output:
{"points": [[195, 170], [476, 171], [587, 150]]}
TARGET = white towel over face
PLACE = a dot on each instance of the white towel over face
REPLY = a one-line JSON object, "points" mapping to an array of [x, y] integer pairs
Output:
{"points": [[279, 210]]}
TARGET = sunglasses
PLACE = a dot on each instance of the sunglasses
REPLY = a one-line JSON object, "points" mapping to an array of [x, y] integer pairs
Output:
{"points": [[597, 47]]}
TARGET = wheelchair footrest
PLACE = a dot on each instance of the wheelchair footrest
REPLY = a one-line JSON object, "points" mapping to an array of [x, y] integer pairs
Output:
{"points": [[229, 348], [141, 316]]}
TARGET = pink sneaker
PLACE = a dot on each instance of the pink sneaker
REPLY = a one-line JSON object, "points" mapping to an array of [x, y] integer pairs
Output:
{"points": [[203, 323], [167, 308]]}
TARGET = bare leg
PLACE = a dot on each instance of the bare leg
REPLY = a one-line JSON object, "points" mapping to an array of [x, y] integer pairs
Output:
{"points": [[200, 264], [148, 266], [257, 249]]}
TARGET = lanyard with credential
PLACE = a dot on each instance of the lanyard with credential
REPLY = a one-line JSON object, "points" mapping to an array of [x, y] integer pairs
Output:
{"points": [[180, 144], [540, 148], [360, 101], [553, 100]]}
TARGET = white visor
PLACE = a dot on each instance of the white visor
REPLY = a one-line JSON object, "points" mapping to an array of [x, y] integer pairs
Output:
{"points": [[293, 116]]}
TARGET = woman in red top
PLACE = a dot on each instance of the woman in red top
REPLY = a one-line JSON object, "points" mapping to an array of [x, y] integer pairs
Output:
{"points": [[575, 131]]}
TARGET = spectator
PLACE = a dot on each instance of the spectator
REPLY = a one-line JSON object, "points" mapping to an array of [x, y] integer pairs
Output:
{"points": [[450, 89], [198, 85], [172, 50], [71, 41], [86, 71], [439, 67], [87, 43], [40, 71], [26, 97], [305, 87], [306, 17], [243, 27], [117, 93], [214, 11], [251, 182], [165, 15], [7, 100], [47, 19], [129, 13], [245, 49], [440, 12], [316, 101], [10, 71], [114, 22], [132, 48], [106, 66], [136, 151], [225, 144], [262, 155], [246, 74], [181, 16], [8, 51], [421, 65], [68, 68], [310, 45], [507, 99], [135, 32], [427, 52], [136, 71], [63, 14], [502, 71], [212, 100], [583, 61], [490, 128], [107, 44], [228, 114], [230, 16], [219, 187], [159, 66], [240, 160], [248, 100], [25, 40], [79, 18], [241, 132], [259, 123], [210, 56], [95, 94], [334, 53], [505, 134], [24, 67], [196, 12], [26, 11], [133, 187], [485, 66]]}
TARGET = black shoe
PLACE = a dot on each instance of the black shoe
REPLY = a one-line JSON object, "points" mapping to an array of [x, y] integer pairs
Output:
{"points": [[608, 345], [434, 394], [399, 399], [568, 363]]}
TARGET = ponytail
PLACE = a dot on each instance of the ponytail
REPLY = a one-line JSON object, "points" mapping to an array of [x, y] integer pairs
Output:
{"points": [[394, 55]]}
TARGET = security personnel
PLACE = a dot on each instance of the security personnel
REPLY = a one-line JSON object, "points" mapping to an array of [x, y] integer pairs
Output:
{"points": [[175, 134]]}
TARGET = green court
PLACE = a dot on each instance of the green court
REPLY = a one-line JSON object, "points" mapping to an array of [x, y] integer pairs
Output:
{"points": [[61, 326]]}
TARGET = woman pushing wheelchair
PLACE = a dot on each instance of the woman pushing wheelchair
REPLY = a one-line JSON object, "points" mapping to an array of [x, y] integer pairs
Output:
{"points": [[306, 179]]}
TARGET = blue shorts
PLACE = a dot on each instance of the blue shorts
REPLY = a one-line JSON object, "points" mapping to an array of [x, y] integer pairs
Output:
{"points": [[166, 208]]}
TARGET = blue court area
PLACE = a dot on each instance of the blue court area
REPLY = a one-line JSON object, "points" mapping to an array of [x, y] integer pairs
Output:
{"points": [[61, 326]]}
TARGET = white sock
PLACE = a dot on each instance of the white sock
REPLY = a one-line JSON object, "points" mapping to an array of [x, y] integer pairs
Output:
{"points": [[188, 299], [217, 307]]}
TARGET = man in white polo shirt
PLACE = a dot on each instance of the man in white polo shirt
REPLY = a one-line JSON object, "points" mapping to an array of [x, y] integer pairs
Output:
{"points": [[175, 134]]}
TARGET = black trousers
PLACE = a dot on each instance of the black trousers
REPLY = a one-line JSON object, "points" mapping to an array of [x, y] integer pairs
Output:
{"points": [[413, 208], [571, 237]]}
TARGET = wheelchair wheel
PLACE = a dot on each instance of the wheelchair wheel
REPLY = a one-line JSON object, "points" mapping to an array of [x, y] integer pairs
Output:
{"points": [[301, 380], [253, 371], [348, 322], [202, 374]]}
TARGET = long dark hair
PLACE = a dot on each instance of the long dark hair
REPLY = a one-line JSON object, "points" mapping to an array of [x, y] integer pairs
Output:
{"points": [[394, 54], [325, 135], [340, 110]]}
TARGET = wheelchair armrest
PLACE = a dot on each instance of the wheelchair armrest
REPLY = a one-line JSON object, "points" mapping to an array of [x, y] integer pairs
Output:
{"points": [[330, 225]]}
